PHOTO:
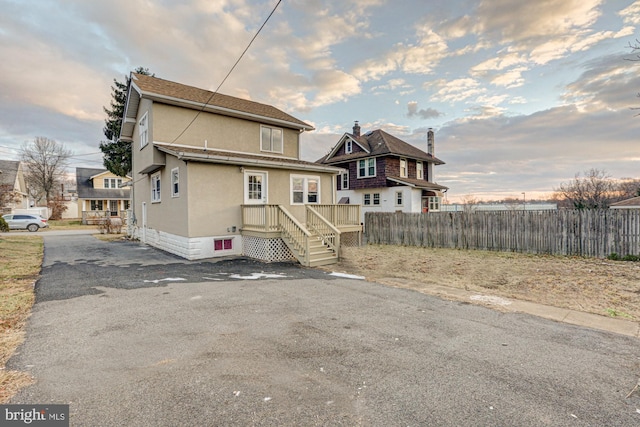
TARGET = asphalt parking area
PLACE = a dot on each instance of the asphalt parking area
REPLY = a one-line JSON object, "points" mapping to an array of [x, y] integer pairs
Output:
{"points": [[119, 342]]}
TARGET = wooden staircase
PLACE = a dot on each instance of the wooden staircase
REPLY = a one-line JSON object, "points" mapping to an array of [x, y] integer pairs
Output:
{"points": [[314, 245]]}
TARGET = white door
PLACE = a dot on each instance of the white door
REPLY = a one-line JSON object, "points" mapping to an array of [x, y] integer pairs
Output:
{"points": [[255, 188]]}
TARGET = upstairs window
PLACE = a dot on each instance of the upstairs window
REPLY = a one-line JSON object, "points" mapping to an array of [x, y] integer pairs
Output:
{"points": [[271, 139], [112, 182], [143, 129], [419, 170], [403, 168], [348, 147], [367, 168], [155, 188], [175, 182]]}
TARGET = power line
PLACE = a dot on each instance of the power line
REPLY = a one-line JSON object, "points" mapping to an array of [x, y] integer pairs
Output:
{"points": [[228, 74]]}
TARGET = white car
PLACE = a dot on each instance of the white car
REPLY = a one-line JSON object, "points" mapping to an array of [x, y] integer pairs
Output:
{"points": [[25, 222]]}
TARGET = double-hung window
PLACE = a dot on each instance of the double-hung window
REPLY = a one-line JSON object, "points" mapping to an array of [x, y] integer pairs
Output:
{"points": [[155, 188], [419, 170], [305, 189], [348, 146], [403, 168], [143, 129], [434, 204], [175, 182], [345, 180], [367, 168], [271, 139], [367, 199], [398, 198]]}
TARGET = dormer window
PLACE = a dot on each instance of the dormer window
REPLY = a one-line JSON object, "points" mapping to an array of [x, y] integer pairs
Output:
{"points": [[270, 139], [348, 146]]}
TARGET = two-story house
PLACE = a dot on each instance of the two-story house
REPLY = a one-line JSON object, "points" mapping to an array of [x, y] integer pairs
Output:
{"points": [[216, 175], [385, 174], [12, 186], [100, 195]]}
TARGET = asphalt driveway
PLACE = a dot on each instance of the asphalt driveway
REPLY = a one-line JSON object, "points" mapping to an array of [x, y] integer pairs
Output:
{"points": [[128, 335]]}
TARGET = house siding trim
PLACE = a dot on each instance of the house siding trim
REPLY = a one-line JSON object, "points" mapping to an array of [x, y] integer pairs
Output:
{"points": [[190, 248]]}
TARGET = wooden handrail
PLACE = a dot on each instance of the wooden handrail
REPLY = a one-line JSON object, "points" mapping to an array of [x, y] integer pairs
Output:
{"points": [[327, 231]]}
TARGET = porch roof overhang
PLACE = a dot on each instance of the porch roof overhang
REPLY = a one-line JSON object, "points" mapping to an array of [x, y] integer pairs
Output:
{"points": [[197, 154], [417, 183]]}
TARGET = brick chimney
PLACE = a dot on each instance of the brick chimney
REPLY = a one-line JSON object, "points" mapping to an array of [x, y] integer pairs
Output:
{"points": [[431, 144], [356, 129]]}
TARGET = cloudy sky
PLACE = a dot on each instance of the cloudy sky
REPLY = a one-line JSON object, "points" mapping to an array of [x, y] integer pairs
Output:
{"points": [[522, 95]]}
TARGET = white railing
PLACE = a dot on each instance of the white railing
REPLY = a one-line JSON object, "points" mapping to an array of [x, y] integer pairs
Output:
{"points": [[329, 234], [340, 215]]}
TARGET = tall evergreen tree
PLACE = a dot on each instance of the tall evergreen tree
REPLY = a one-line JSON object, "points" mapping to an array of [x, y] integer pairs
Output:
{"points": [[117, 153]]}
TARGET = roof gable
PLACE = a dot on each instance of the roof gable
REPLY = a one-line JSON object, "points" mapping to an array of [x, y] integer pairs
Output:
{"points": [[12, 175], [173, 93], [379, 143], [362, 142]]}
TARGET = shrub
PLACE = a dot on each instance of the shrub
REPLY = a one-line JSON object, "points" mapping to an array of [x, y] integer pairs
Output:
{"points": [[613, 257], [4, 227]]}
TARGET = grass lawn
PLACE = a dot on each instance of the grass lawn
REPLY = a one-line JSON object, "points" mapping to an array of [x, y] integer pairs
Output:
{"points": [[20, 262]]}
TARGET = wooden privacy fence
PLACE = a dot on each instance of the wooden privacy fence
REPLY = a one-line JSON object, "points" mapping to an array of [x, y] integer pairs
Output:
{"points": [[591, 233]]}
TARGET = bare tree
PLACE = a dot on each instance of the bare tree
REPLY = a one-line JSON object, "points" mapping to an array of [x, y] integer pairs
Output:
{"points": [[46, 161], [594, 190], [628, 188]]}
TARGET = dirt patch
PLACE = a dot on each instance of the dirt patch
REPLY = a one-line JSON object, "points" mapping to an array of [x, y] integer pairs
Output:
{"points": [[608, 288]]}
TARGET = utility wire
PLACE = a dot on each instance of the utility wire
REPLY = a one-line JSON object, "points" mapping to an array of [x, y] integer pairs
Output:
{"points": [[228, 74]]}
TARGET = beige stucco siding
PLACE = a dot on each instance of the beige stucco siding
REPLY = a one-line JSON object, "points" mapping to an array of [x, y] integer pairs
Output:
{"points": [[147, 155], [220, 132], [216, 193], [170, 214]]}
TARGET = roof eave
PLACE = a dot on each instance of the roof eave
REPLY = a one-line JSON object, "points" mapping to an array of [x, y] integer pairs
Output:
{"points": [[244, 161], [225, 111]]}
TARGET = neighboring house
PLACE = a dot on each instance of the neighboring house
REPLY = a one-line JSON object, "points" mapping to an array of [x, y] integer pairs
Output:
{"points": [[12, 182], [215, 175], [384, 173], [100, 195], [632, 203]]}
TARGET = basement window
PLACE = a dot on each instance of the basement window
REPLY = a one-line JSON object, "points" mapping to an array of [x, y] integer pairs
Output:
{"points": [[222, 244]]}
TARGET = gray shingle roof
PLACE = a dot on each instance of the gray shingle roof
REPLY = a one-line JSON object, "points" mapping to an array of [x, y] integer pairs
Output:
{"points": [[86, 190], [157, 86], [381, 143]]}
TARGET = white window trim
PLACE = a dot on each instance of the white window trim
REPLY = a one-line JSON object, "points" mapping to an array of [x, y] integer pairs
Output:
{"points": [[372, 199], [343, 176], [156, 177], [401, 194], [265, 187], [348, 146], [434, 201], [271, 128], [404, 174], [305, 189], [143, 130], [419, 170], [366, 168], [174, 182]]}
